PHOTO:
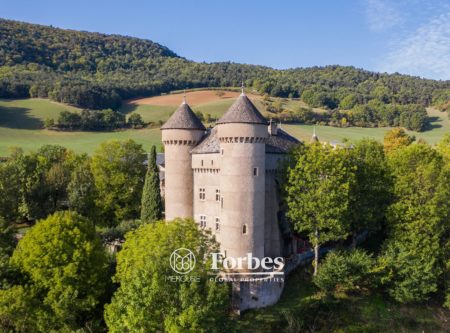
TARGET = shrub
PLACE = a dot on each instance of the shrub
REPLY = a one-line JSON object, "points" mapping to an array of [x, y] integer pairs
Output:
{"points": [[344, 271]]}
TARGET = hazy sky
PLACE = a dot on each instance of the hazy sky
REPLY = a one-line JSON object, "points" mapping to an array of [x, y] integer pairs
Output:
{"points": [[411, 37]]}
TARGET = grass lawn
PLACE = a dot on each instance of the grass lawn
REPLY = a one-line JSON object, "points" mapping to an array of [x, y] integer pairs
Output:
{"points": [[440, 125], [303, 309], [81, 142], [21, 125], [150, 113], [29, 113]]}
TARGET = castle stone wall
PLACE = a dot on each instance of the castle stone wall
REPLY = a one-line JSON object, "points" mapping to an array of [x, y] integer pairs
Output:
{"points": [[178, 171]]}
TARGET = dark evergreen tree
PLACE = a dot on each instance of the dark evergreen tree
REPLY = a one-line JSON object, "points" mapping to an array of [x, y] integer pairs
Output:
{"points": [[151, 208]]}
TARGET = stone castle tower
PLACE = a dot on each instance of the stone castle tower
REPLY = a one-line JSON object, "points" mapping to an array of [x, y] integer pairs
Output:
{"points": [[242, 134], [225, 177], [182, 132]]}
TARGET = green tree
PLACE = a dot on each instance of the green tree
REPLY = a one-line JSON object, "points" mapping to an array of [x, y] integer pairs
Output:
{"points": [[348, 102], [81, 189], [19, 309], [135, 120], [151, 206], [147, 302], [370, 193], [345, 271], [118, 170], [444, 147], [417, 222], [318, 192], [10, 189], [7, 244], [43, 176], [65, 266]]}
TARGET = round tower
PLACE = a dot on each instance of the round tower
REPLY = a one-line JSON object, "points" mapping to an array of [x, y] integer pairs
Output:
{"points": [[242, 133], [180, 134]]}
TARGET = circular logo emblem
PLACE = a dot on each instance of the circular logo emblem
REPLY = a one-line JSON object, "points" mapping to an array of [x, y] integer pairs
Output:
{"points": [[182, 260]]}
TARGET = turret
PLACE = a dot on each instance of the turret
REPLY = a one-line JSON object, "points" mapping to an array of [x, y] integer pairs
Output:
{"points": [[180, 134], [242, 132]]}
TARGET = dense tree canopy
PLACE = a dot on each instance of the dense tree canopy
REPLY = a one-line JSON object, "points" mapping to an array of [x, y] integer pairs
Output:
{"points": [[417, 223], [370, 193], [147, 302], [318, 193], [98, 71], [118, 169], [64, 270]]}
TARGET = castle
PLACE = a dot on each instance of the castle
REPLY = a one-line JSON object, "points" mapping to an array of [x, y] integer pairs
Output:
{"points": [[225, 178]]}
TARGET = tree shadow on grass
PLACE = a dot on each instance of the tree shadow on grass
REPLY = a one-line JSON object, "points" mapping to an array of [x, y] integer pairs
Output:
{"points": [[127, 108], [433, 123], [18, 118]]}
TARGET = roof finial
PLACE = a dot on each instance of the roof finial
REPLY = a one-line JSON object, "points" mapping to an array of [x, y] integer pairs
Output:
{"points": [[242, 88], [184, 96]]}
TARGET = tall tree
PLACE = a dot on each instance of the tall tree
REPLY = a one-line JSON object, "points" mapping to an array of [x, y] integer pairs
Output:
{"points": [[417, 222], [118, 169], [151, 205], [147, 302], [318, 194], [7, 244], [81, 189], [370, 193], [10, 189]]}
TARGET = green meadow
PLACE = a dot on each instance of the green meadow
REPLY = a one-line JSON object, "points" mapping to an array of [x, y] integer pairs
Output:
{"points": [[21, 122]]}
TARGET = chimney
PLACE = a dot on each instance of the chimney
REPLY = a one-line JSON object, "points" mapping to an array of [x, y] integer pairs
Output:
{"points": [[273, 128]]}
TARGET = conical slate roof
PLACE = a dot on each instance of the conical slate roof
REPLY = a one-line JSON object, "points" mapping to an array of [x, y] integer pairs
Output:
{"points": [[242, 111], [183, 118]]}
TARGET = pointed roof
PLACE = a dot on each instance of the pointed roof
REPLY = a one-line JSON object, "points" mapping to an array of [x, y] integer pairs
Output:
{"points": [[243, 111], [183, 118]]}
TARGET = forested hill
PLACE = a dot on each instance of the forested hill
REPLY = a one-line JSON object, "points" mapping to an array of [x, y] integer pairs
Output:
{"points": [[94, 70]]}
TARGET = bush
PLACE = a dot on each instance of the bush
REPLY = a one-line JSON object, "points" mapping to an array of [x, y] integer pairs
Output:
{"points": [[344, 271]]}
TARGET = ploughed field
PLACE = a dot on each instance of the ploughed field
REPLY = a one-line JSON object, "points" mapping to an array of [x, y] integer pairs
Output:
{"points": [[21, 121]]}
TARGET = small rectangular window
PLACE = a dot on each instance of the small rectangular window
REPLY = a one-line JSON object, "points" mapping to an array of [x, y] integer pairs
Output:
{"points": [[202, 221], [221, 202], [212, 162], [255, 171], [244, 229], [217, 224], [217, 195], [221, 151], [202, 193], [202, 162]]}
